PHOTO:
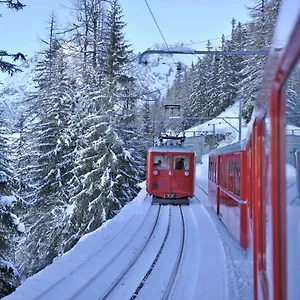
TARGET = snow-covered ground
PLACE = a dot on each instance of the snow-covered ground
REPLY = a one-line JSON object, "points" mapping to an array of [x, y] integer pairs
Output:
{"points": [[226, 124], [147, 252]]}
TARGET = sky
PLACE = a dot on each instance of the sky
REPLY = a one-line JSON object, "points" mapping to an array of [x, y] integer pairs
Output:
{"points": [[184, 21]]}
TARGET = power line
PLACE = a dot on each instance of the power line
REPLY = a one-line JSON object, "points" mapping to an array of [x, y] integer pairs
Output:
{"points": [[204, 41], [159, 29]]}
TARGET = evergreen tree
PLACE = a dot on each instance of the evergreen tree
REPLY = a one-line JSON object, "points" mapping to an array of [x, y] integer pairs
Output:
{"points": [[107, 162], [293, 98], [9, 222], [51, 110], [259, 34], [117, 50], [4, 65]]}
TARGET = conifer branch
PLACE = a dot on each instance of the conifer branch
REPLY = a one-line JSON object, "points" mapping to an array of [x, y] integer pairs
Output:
{"points": [[17, 5]]}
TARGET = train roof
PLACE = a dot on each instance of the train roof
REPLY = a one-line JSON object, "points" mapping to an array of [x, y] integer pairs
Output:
{"points": [[236, 147], [173, 149]]}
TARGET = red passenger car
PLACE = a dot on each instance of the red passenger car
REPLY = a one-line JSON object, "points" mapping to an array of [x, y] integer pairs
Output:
{"points": [[253, 189], [226, 191], [170, 174]]}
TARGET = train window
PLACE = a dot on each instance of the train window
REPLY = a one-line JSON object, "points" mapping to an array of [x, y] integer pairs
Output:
{"points": [[181, 163], [162, 162], [215, 172], [212, 171], [291, 167], [222, 176], [237, 188], [231, 176], [225, 174]]}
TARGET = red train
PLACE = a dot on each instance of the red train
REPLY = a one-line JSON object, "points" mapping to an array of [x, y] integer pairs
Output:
{"points": [[170, 174], [248, 181], [227, 177]]}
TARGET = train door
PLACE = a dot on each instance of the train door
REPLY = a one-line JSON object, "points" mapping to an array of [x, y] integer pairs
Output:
{"points": [[181, 179], [161, 164]]}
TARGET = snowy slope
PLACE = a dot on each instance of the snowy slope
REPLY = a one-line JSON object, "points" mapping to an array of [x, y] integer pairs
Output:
{"points": [[14, 89], [92, 267], [227, 123]]}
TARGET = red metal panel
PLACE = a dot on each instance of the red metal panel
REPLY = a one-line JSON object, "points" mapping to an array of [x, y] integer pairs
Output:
{"points": [[212, 185], [232, 208], [244, 238], [181, 183], [159, 184], [278, 196], [218, 183], [278, 193], [254, 209], [260, 207]]}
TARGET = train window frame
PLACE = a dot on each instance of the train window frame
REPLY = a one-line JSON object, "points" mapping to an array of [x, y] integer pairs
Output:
{"points": [[215, 172], [165, 159], [226, 175], [231, 172], [176, 158], [237, 181]]}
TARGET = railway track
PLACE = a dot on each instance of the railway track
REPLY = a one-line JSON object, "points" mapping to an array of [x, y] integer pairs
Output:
{"points": [[85, 265], [130, 263], [143, 277], [160, 277]]}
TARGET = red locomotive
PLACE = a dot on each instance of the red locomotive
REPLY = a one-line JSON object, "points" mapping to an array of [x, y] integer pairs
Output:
{"points": [[170, 174], [250, 185]]}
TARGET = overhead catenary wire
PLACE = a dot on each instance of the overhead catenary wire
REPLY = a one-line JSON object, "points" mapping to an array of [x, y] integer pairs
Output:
{"points": [[159, 29], [205, 41]]}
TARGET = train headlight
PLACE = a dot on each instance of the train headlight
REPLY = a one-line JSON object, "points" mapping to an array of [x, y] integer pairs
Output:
{"points": [[155, 172], [186, 173]]}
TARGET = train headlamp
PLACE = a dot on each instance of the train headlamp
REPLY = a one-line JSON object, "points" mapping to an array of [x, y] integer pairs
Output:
{"points": [[155, 172], [186, 173]]}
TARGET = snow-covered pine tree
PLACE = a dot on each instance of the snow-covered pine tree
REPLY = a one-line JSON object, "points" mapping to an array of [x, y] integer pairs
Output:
{"points": [[225, 81], [196, 90], [22, 148], [117, 51], [51, 109], [259, 34], [87, 40], [6, 66], [209, 88], [187, 111], [9, 222], [235, 43], [107, 162], [293, 98]]}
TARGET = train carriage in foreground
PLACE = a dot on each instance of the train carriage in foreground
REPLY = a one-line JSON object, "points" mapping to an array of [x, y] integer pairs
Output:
{"points": [[170, 174], [252, 187]]}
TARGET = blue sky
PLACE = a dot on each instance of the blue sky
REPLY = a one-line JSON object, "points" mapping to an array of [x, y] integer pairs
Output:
{"points": [[179, 20]]}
